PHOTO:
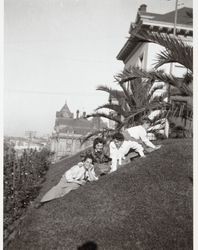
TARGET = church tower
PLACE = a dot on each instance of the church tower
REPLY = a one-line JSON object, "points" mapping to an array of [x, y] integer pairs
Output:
{"points": [[64, 112]]}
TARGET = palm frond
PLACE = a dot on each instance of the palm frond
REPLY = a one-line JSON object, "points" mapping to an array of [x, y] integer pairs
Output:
{"points": [[124, 76], [117, 94], [104, 115], [188, 78], [129, 97], [115, 107], [176, 50], [159, 94], [156, 85], [180, 109], [135, 72], [139, 90], [143, 111], [136, 90], [105, 132], [128, 121], [163, 77], [175, 82]]}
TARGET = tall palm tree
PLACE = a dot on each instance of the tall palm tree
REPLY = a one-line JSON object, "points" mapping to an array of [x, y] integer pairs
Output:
{"points": [[134, 100], [126, 106]]}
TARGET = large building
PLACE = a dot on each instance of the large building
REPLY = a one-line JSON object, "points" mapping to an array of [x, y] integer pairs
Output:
{"points": [[136, 53], [69, 130]]}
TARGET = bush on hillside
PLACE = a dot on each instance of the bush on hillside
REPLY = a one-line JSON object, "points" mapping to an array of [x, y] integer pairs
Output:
{"points": [[22, 181]]}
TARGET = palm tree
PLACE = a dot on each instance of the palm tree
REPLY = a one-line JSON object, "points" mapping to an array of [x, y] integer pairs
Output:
{"points": [[126, 106], [137, 98], [175, 51]]}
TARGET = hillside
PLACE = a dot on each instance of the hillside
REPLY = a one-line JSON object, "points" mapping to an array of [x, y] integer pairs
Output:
{"points": [[146, 204]]}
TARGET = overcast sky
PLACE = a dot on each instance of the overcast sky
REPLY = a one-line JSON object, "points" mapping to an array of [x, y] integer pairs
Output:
{"points": [[61, 50]]}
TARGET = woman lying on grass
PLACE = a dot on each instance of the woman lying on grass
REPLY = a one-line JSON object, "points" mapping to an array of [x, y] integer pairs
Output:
{"points": [[72, 179]]}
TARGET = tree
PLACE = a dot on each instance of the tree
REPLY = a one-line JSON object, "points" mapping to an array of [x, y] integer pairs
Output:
{"points": [[175, 51], [126, 106], [140, 93]]}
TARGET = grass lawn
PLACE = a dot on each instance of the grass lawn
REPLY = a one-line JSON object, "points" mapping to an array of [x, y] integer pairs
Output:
{"points": [[145, 205]]}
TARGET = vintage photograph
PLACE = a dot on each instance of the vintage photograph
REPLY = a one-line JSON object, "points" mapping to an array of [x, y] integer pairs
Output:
{"points": [[98, 125]]}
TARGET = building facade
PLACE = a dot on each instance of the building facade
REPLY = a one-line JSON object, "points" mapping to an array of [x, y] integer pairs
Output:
{"points": [[69, 131], [135, 53]]}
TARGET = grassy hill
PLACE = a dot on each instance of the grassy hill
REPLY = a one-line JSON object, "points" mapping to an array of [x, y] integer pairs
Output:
{"points": [[146, 204]]}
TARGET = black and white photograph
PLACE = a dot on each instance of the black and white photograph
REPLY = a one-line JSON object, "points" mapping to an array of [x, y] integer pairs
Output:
{"points": [[98, 125]]}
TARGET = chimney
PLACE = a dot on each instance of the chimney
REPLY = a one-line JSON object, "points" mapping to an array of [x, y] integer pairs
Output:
{"points": [[142, 8], [77, 114]]}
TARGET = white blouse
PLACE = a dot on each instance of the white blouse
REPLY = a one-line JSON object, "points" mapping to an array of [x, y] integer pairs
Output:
{"points": [[139, 133], [117, 154], [78, 172]]}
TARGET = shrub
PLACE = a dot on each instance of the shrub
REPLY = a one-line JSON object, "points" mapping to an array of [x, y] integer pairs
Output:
{"points": [[22, 181]]}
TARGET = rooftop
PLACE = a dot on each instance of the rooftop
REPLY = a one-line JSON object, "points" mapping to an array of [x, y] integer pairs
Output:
{"points": [[160, 23]]}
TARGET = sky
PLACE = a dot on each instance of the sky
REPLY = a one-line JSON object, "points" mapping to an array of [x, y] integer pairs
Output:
{"points": [[58, 51]]}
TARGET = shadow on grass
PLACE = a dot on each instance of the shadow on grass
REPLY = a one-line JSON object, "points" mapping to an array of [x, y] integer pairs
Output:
{"points": [[89, 245]]}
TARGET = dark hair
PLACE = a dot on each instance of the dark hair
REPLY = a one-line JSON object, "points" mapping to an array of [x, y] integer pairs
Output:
{"points": [[98, 140], [118, 136], [87, 156], [146, 120]]}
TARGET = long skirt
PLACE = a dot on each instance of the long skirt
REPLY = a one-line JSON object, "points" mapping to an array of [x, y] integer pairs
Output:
{"points": [[61, 189]]}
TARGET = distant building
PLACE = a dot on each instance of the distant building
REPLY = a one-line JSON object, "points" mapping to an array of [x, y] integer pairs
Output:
{"points": [[20, 144], [25, 144], [68, 132]]}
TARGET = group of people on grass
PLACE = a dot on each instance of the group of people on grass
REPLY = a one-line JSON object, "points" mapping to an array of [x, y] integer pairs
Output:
{"points": [[103, 159]]}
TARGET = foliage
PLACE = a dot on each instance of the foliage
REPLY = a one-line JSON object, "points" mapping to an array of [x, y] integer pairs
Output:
{"points": [[105, 133], [180, 90], [175, 50], [146, 204], [22, 179], [134, 101]]}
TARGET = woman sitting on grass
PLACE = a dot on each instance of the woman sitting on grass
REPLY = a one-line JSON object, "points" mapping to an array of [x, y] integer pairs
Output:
{"points": [[101, 159], [72, 179]]}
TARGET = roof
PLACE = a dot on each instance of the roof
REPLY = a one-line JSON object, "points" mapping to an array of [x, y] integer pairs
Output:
{"points": [[184, 18], [76, 130], [79, 126], [81, 122], [64, 112], [66, 124]]}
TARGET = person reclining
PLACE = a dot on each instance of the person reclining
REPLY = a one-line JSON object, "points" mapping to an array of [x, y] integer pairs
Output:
{"points": [[72, 179], [139, 134], [119, 147]]}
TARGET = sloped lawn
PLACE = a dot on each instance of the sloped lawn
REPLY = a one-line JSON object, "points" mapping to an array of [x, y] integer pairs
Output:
{"points": [[146, 204]]}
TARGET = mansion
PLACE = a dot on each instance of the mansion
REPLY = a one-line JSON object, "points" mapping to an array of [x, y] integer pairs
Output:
{"points": [[69, 130]]}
